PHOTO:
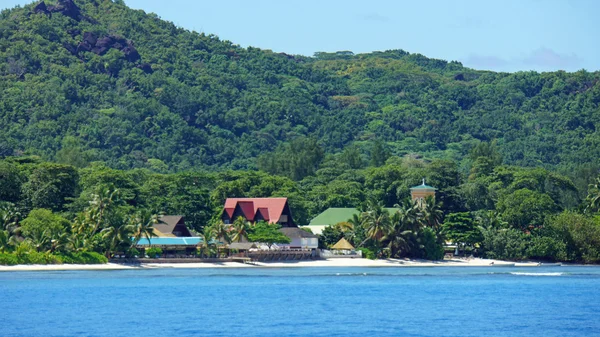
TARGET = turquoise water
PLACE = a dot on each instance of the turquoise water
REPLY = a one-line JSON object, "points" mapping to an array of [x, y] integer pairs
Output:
{"points": [[542, 301]]}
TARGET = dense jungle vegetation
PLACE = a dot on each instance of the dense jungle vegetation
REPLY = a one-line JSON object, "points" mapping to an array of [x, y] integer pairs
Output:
{"points": [[99, 101]]}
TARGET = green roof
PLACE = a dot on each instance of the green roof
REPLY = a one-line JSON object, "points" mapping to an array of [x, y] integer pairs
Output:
{"points": [[423, 187], [334, 215]]}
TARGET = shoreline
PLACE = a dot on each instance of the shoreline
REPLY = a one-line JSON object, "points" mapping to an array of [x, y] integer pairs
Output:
{"points": [[388, 263]]}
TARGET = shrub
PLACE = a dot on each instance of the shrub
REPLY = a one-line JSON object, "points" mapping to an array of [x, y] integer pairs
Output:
{"points": [[504, 244], [93, 258], [154, 252], [83, 258], [367, 253], [133, 252], [547, 248], [8, 260], [431, 248]]}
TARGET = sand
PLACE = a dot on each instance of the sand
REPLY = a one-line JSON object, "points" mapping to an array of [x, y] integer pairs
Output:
{"points": [[339, 262]]}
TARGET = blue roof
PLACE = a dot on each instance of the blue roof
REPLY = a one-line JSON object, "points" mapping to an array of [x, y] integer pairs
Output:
{"points": [[182, 241]]}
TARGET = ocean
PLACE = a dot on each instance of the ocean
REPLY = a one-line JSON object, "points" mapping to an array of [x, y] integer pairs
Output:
{"points": [[414, 301]]}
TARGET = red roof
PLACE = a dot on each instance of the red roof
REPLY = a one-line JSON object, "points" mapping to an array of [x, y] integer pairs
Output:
{"points": [[270, 208]]}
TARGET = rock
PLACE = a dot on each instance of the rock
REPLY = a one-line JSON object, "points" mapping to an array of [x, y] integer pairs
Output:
{"points": [[131, 54], [145, 68], [41, 8], [83, 46], [459, 77], [100, 50], [90, 38], [74, 32], [101, 45], [67, 8], [70, 48]]}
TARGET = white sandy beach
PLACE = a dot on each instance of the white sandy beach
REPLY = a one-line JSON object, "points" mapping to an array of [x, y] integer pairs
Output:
{"points": [[290, 264]]}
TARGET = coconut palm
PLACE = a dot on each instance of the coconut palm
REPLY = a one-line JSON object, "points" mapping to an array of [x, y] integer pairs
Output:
{"points": [[240, 229], [4, 241], [117, 237], [143, 223], [221, 231], [376, 222], [403, 230], [9, 227], [78, 243], [432, 215], [593, 197], [40, 240], [102, 200], [207, 240], [60, 243]]}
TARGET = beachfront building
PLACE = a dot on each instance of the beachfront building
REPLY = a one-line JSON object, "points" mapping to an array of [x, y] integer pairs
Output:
{"points": [[421, 192], [171, 226], [271, 210], [171, 246], [335, 215], [301, 239]]}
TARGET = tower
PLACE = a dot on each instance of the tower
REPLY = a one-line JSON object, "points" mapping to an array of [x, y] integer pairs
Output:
{"points": [[421, 192]]}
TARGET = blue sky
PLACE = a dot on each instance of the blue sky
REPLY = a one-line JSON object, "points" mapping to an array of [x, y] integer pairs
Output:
{"points": [[506, 35]]}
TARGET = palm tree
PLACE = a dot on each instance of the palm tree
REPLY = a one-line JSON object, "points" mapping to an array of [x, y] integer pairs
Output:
{"points": [[221, 231], [207, 239], [143, 223], [118, 236], [78, 243], [376, 222], [403, 230], [4, 241], [40, 240], [9, 227], [432, 216], [105, 197], [593, 197], [240, 229], [60, 243]]}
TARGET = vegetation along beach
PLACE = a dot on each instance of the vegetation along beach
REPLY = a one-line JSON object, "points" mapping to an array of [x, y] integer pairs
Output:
{"points": [[150, 168]]}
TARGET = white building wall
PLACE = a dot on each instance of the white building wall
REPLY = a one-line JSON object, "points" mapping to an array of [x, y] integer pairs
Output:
{"points": [[309, 243]]}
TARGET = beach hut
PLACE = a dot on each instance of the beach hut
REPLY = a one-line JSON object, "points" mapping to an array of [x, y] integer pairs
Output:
{"points": [[343, 244]]}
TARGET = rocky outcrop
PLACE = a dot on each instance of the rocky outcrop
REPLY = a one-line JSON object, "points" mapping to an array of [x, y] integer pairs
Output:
{"points": [[101, 45], [64, 7]]}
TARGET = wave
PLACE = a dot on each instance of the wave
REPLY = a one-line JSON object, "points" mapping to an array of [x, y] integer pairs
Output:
{"points": [[536, 274]]}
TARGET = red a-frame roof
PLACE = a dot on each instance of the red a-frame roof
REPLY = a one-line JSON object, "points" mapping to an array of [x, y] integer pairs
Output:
{"points": [[270, 208]]}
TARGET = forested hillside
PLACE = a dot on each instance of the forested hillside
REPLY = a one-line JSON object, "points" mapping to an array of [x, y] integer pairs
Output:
{"points": [[111, 116], [92, 80]]}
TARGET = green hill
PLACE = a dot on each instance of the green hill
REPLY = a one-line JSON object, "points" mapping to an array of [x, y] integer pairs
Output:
{"points": [[93, 80]]}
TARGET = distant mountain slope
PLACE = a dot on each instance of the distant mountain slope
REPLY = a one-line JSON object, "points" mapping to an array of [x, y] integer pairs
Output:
{"points": [[89, 80]]}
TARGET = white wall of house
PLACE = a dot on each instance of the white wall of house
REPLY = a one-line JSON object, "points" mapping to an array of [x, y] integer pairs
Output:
{"points": [[309, 243]]}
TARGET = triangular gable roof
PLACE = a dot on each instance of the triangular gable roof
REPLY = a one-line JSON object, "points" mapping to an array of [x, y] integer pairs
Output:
{"points": [[342, 244], [167, 223], [264, 213], [250, 206]]}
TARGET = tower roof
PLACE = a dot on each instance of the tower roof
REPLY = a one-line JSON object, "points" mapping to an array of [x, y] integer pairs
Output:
{"points": [[423, 186]]}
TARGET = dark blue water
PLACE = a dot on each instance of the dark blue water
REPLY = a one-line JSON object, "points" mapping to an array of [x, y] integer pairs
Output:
{"points": [[552, 301]]}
